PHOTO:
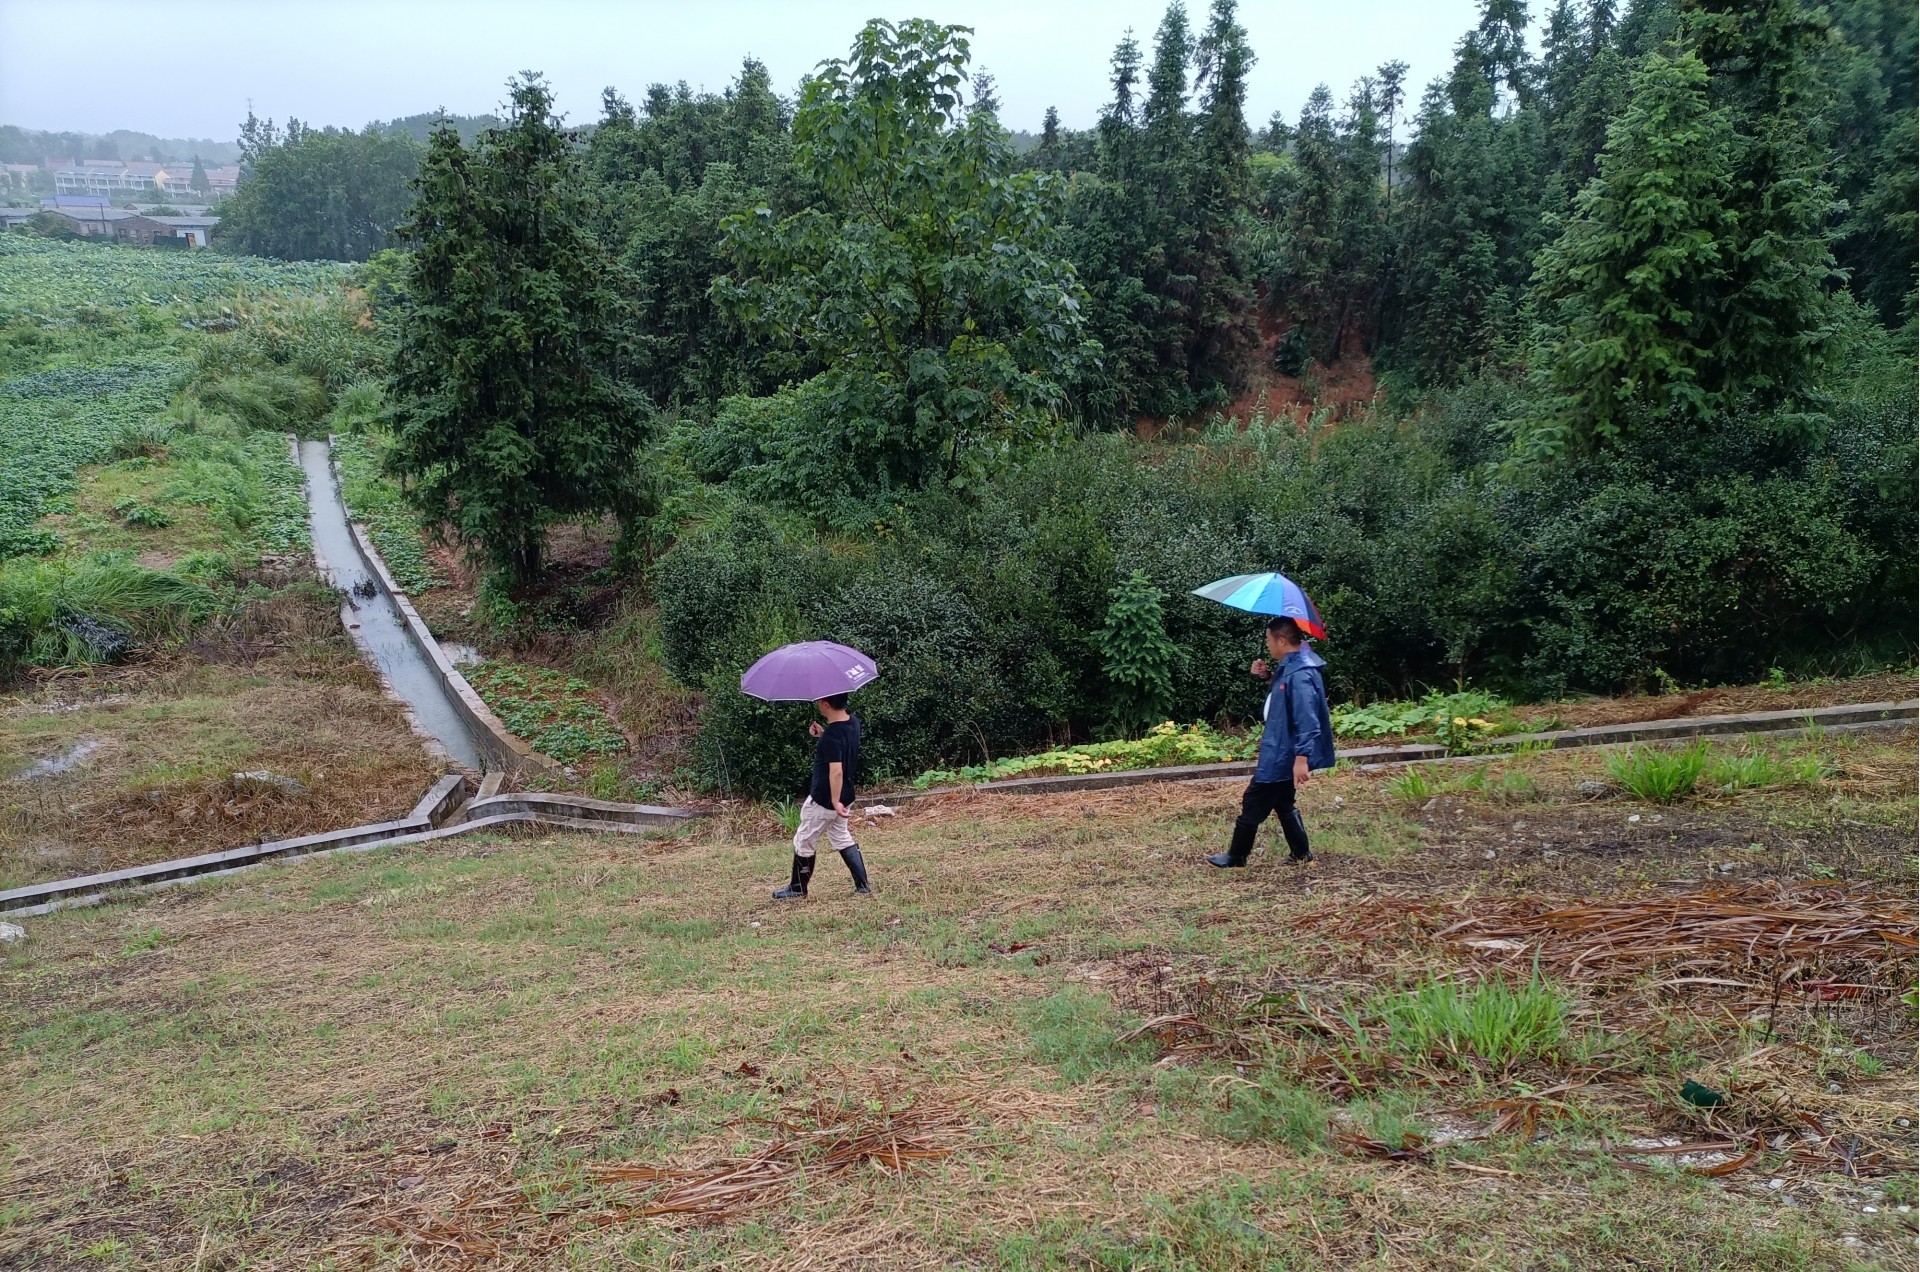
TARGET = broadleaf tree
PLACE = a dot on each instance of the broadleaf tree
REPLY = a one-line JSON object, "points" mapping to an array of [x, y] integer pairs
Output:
{"points": [[924, 278]]}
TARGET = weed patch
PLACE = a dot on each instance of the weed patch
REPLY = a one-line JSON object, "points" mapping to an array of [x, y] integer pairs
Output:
{"points": [[1656, 774], [1164, 744], [1078, 1033], [557, 713], [1489, 1023]]}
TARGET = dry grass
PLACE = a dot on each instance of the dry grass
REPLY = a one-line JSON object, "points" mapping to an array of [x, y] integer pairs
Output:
{"points": [[277, 688], [566, 1051], [1887, 686]]}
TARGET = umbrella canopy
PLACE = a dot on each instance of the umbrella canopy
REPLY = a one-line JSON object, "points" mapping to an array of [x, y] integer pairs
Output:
{"points": [[1270, 593], [808, 671]]}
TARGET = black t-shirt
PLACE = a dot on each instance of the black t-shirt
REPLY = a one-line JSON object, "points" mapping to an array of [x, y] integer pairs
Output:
{"points": [[839, 741]]}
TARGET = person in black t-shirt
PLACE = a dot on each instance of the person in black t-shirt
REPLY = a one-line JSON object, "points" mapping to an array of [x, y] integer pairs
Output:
{"points": [[828, 808]]}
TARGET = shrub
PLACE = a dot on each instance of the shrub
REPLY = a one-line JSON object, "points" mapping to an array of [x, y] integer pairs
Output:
{"points": [[1713, 559], [1136, 653], [1659, 775]]}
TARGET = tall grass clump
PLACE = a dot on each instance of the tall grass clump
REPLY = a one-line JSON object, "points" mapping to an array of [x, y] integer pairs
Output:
{"points": [[1495, 1022], [55, 612], [270, 398], [1662, 776], [1759, 768]]}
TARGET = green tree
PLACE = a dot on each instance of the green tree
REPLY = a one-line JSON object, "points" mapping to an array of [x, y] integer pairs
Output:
{"points": [[1138, 657], [1305, 278], [1774, 316], [1468, 227], [664, 183], [1635, 276], [317, 193], [509, 404], [925, 279], [1224, 310], [198, 182]]}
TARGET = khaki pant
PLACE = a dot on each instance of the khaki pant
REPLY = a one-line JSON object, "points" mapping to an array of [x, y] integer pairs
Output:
{"points": [[816, 821]]}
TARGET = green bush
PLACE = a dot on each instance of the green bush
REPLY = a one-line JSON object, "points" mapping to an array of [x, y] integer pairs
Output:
{"points": [[1712, 558]]}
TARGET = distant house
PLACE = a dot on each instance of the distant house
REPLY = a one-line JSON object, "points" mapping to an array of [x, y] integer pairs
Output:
{"points": [[114, 178], [10, 217], [123, 226], [194, 229], [97, 221]]}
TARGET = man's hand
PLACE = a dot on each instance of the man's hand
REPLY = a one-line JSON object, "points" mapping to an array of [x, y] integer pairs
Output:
{"points": [[814, 729], [1300, 770], [842, 809], [1259, 668]]}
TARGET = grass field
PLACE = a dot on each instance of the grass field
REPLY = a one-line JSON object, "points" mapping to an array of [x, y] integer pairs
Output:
{"points": [[1051, 1039], [161, 628]]}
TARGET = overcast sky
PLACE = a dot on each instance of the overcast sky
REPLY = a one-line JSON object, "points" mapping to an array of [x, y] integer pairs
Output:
{"points": [[181, 68]]}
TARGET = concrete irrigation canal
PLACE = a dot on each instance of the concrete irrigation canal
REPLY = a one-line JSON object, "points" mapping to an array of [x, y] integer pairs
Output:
{"points": [[374, 620]]}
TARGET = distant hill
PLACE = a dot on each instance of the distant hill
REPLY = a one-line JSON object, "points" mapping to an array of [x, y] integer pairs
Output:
{"points": [[23, 145]]}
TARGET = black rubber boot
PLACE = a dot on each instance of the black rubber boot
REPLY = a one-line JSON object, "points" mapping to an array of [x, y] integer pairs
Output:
{"points": [[796, 890], [1296, 833], [857, 867], [1238, 849]]}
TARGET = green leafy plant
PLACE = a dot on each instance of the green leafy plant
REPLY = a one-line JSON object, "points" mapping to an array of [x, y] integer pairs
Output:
{"points": [[1136, 653], [141, 515], [1165, 744], [557, 713], [1657, 774], [1435, 713]]}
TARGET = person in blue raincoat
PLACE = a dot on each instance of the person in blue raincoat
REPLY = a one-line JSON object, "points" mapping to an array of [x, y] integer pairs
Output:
{"points": [[1297, 740]]}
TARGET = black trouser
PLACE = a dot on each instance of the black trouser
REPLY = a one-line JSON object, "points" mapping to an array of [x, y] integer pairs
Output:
{"points": [[1262, 799]]}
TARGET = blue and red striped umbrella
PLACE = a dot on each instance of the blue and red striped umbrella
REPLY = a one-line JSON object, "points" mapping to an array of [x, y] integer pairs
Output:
{"points": [[1270, 593]]}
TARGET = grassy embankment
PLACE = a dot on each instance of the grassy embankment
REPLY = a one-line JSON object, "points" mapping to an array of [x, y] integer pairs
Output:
{"points": [[162, 626], [1108, 1055]]}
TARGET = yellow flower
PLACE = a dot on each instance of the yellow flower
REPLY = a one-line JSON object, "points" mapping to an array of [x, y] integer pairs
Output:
{"points": [[1459, 722]]}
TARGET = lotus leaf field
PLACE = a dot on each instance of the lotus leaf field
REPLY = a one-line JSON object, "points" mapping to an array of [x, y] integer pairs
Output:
{"points": [[59, 283], [95, 341]]}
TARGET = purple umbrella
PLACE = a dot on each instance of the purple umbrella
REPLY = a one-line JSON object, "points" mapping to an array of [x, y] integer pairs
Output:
{"points": [[808, 671]]}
